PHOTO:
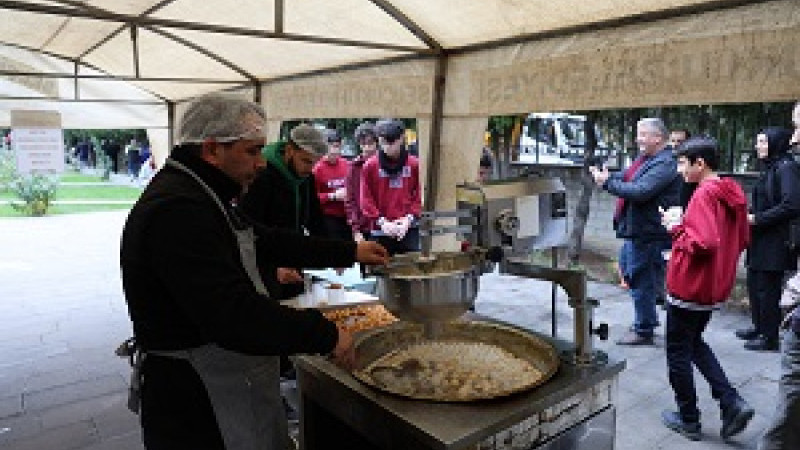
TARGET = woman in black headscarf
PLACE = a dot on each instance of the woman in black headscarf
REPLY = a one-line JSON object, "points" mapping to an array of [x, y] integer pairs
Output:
{"points": [[775, 202]]}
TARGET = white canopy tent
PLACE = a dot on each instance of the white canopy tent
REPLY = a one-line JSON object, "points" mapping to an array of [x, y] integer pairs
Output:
{"points": [[450, 64]]}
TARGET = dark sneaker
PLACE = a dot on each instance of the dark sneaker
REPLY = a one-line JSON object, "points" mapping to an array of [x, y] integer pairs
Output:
{"points": [[746, 333], [673, 421], [633, 338], [762, 344], [735, 419]]}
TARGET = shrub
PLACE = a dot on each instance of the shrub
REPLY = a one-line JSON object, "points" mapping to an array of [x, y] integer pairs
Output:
{"points": [[8, 170], [36, 191]]}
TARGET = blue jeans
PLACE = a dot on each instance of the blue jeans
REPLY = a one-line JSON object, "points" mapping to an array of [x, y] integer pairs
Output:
{"points": [[645, 274], [784, 432], [685, 346]]}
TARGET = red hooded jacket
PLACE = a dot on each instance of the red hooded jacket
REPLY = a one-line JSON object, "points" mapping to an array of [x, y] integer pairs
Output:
{"points": [[707, 244]]}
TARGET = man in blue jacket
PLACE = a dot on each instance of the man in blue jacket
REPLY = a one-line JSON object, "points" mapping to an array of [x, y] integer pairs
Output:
{"points": [[652, 181]]}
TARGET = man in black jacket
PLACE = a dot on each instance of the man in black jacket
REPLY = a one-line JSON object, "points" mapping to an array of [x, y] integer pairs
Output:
{"points": [[207, 335], [283, 196]]}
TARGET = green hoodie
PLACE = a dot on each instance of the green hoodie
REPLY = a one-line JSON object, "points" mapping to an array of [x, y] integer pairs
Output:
{"points": [[273, 153]]}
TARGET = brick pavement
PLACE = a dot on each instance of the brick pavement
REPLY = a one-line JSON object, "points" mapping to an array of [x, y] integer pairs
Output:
{"points": [[62, 314]]}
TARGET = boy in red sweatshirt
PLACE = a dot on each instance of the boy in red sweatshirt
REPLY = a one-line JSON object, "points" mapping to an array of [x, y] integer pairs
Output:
{"points": [[330, 173], [391, 201], [706, 245]]}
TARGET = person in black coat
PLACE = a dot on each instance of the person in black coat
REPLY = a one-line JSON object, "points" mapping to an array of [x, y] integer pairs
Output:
{"points": [[775, 201], [283, 196]]}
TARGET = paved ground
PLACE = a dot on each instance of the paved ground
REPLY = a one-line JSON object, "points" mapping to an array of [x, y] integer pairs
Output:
{"points": [[62, 314]]}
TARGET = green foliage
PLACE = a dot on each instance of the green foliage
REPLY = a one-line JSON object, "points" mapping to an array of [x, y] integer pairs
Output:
{"points": [[8, 170], [36, 192]]}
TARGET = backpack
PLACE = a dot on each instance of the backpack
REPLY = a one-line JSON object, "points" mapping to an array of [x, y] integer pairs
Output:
{"points": [[793, 242]]}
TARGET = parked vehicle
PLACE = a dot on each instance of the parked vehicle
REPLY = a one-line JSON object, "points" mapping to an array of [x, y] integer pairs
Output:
{"points": [[559, 138]]}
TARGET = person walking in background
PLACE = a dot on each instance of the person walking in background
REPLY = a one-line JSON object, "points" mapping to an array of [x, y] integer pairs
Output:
{"points": [[650, 182], [707, 242], [783, 432], [367, 142], [330, 173], [133, 154], [391, 200], [775, 202]]}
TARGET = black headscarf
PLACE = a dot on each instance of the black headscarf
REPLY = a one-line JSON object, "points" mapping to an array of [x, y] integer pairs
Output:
{"points": [[778, 141]]}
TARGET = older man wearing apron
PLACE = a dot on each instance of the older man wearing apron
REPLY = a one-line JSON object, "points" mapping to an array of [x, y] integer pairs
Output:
{"points": [[207, 338]]}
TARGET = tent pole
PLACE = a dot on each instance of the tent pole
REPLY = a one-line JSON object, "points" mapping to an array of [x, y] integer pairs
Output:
{"points": [[170, 125], [437, 114]]}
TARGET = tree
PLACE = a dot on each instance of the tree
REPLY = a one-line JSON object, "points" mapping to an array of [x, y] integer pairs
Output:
{"points": [[575, 244]]}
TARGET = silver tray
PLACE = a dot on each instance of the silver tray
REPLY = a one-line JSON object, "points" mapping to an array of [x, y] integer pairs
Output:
{"points": [[372, 344]]}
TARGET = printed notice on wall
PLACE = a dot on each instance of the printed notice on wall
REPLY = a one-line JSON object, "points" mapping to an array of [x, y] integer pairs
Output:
{"points": [[39, 150]]}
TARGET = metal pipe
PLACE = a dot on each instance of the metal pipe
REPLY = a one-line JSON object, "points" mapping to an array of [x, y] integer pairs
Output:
{"points": [[574, 284]]}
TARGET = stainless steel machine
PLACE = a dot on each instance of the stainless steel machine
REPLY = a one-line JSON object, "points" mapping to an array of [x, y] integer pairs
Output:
{"points": [[498, 223]]}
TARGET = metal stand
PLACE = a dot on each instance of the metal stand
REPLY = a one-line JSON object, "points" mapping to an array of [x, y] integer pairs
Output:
{"points": [[574, 284]]}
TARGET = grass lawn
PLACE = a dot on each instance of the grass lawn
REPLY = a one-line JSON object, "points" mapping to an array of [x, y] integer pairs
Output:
{"points": [[99, 192], [8, 211], [73, 177]]}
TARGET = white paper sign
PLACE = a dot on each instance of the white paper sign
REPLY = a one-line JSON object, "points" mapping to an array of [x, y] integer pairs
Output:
{"points": [[39, 150]]}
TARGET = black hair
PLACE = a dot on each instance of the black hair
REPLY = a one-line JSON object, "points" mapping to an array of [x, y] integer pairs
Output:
{"points": [[364, 131], [778, 141], [700, 147]]}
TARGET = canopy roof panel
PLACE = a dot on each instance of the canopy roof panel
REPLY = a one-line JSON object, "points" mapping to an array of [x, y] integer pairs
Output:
{"points": [[177, 49], [270, 58]]}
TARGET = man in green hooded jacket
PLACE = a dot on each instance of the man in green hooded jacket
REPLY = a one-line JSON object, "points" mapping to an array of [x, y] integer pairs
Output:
{"points": [[283, 196]]}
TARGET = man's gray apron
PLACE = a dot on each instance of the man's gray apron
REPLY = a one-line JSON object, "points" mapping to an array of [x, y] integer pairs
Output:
{"points": [[244, 390]]}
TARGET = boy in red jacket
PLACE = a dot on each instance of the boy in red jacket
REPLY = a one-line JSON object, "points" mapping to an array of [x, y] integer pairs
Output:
{"points": [[329, 181], [706, 245], [391, 201]]}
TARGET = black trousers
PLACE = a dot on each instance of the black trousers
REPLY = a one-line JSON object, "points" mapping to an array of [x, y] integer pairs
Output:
{"points": [[176, 412], [764, 289], [685, 348]]}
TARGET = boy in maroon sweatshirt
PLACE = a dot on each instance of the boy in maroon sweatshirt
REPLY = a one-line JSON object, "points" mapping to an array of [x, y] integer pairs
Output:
{"points": [[329, 182], [706, 244], [368, 143], [391, 201]]}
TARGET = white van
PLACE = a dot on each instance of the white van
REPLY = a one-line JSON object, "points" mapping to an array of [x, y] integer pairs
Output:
{"points": [[558, 138]]}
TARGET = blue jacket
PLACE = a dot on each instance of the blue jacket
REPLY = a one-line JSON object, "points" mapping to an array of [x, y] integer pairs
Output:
{"points": [[656, 183]]}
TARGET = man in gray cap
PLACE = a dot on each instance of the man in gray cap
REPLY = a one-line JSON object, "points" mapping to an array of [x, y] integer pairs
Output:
{"points": [[283, 196], [207, 336]]}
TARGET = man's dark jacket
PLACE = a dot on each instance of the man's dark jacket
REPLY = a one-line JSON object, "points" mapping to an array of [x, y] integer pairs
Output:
{"points": [[185, 286], [271, 200], [655, 183]]}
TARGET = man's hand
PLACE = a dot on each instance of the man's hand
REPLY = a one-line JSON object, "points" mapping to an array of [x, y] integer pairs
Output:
{"points": [[671, 217], [403, 225], [751, 219], [288, 276], [600, 175], [340, 193], [344, 354], [369, 252], [389, 228]]}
